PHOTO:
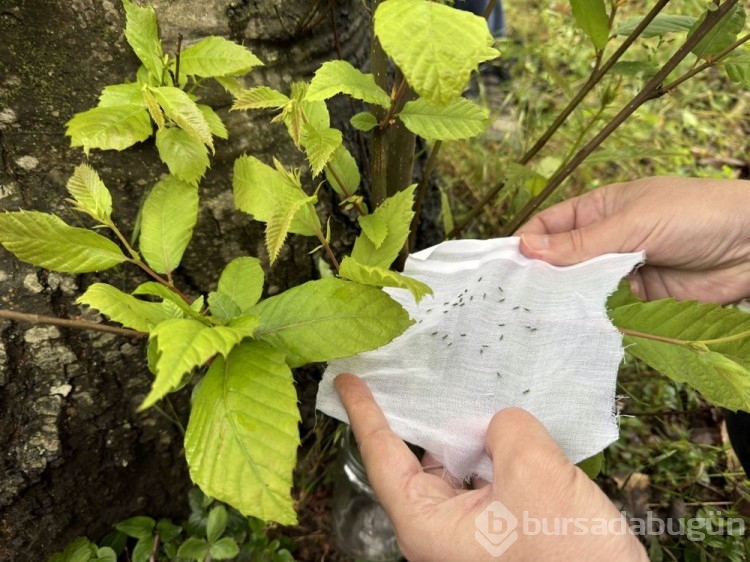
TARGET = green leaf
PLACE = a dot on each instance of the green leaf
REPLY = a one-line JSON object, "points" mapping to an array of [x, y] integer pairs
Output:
{"points": [[340, 77], [216, 56], [738, 68], [591, 16], [137, 527], [222, 307], [721, 35], [90, 194], [178, 106], [185, 156], [592, 466], [167, 220], [242, 437], [183, 344], [80, 550], [143, 549], [193, 549], [660, 25], [217, 523], [105, 554], [375, 227], [381, 277], [224, 549], [121, 307], [319, 145], [46, 241], [460, 119], [167, 530], [153, 107], [435, 46], [109, 128], [329, 318], [242, 281], [142, 33], [121, 94], [232, 85], [279, 225], [343, 173], [396, 213], [719, 371], [299, 112], [167, 295], [261, 97], [262, 191], [364, 121], [215, 124]]}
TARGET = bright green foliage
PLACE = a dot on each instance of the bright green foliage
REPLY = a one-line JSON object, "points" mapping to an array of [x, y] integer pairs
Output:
{"points": [[328, 318], [121, 94], [241, 441], [153, 108], [394, 217], [185, 156], [723, 34], [184, 344], [215, 124], [381, 277], [138, 527], [301, 112], [89, 193], [660, 25], [46, 241], [179, 306], [364, 121], [242, 282], [142, 33], [591, 16], [719, 371], [459, 119], [178, 106], [109, 128], [342, 172], [82, 550], [261, 97], [216, 56], [320, 144], [340, 77], [121, 307], [274, 196], [435, 46], [167, 221]]}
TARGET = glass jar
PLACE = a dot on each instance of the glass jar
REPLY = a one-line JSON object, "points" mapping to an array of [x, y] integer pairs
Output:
{"points": [[360, 524]]}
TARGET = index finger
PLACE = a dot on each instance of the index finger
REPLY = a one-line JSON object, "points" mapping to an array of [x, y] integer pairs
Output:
{"points": [[572, 214], [389, 463]]}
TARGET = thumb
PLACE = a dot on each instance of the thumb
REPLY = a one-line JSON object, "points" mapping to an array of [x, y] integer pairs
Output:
{"points": [[572, 246]]}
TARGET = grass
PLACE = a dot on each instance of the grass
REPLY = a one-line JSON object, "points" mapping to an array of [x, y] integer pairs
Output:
{"points": [[673, 458]]}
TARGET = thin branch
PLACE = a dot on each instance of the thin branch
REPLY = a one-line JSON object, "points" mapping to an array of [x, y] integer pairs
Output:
{"points": [[652, 90], [69, 323], [593, 80]]}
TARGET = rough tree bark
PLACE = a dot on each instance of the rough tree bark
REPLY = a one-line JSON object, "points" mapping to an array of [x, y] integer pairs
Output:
{"points": [[75, 457]]}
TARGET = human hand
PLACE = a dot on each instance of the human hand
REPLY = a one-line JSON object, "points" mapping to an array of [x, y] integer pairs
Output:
{"points": [[434, 520], [696, 234]]}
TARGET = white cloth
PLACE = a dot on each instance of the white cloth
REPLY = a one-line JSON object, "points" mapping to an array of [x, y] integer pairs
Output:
{"points": [[500, 330]]}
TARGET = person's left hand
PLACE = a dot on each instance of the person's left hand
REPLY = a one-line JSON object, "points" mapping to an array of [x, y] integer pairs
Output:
{"points": [[435, 520]]}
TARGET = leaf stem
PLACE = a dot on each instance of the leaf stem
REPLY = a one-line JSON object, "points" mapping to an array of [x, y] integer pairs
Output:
{"points": [[347, 194], [691, 344], [69, 323]]}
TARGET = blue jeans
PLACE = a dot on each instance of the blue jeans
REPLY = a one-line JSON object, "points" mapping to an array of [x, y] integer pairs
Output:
{"points": [[496, 21]]}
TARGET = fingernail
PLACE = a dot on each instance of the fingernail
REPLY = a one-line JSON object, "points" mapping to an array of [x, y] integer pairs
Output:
{"points": [[635, 286], [536, 242]]}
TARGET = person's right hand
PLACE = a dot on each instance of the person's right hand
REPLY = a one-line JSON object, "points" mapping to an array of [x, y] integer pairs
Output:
{"points": [[695, 232]]}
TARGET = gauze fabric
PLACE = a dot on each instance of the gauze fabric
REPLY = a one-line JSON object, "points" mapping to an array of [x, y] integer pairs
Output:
{"points": [[500, 330]]}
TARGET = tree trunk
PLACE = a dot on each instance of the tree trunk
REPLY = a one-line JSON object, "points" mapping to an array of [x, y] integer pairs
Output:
{"points": [[75, 457]]}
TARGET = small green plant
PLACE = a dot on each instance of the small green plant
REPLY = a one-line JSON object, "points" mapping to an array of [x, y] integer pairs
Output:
{"points": [[213, 532]]}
